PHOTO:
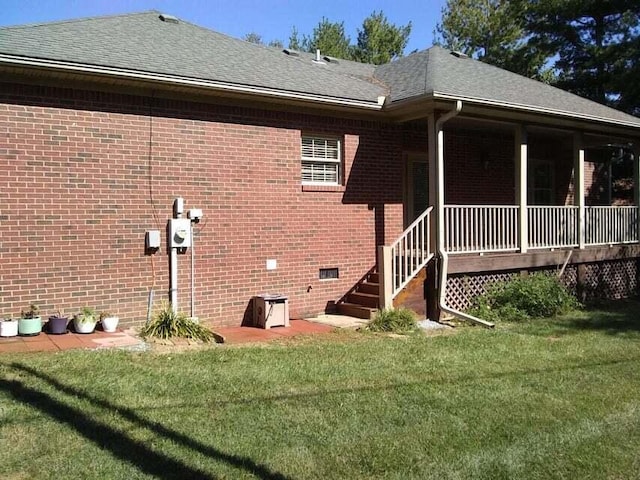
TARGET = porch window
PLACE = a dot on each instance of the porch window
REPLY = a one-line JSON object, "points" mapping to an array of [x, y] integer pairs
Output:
{"points": [[321, 161], [541, 189]]}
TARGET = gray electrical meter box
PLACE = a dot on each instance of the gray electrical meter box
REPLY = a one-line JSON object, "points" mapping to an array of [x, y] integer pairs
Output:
{"points": [[271, 310], [180, 231]]}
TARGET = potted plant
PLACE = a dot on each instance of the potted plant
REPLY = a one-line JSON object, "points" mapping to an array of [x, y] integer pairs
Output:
{"points": [[85, 321], [30, 323], [8, 327], [109, 322], [58, 324]]}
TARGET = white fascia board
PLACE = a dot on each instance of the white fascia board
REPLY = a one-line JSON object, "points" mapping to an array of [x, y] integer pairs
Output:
{"points": [[186, 81], [533, 109]]}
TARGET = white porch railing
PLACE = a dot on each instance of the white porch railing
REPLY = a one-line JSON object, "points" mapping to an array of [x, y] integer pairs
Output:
{"points": [[611, 225], [480, 228], [553, 226], [401, 261]]}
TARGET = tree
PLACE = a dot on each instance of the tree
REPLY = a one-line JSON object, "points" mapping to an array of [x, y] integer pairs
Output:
{"points": [[253, 38], [492, 31], [257, 39], [379, 41], [595, 45]]}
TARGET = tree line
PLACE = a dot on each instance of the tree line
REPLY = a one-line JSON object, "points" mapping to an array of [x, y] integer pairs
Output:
{"points": [[378, 40], [588, 47]]}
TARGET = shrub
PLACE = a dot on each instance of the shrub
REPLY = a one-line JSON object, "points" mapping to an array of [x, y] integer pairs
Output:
{"points": [[537, 295], [394, 320], [167, 324]]}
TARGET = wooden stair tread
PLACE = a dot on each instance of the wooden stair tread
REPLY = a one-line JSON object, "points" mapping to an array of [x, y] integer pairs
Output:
{"points": [[354, 310]]}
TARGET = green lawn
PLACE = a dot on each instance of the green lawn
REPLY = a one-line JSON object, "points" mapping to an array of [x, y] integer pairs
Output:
{"points": [[548, 399]]}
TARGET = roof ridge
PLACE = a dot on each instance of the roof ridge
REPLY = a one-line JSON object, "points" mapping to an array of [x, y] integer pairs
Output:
{"points": [[76, 20]]}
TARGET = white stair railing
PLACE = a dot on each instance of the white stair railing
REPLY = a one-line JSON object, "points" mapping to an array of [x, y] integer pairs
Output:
{"points": [[400, 262]]}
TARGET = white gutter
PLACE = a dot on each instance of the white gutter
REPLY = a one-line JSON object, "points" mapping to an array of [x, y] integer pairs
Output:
{"points": [[13, 60], [534, 109], [444, 264]]}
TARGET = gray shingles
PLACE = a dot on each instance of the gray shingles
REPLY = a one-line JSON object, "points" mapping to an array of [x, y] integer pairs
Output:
{"points": [[438, 71], [145, 43]]}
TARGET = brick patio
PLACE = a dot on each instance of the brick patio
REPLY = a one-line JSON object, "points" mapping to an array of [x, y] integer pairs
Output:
{"points": [[99, 339]]}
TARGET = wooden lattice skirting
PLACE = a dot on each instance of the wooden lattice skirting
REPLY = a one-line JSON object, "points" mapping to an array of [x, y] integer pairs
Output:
{"points": [[612, 279]]}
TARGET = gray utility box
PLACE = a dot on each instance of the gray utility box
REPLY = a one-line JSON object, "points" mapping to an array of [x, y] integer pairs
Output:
{"points": [[271, 310]]}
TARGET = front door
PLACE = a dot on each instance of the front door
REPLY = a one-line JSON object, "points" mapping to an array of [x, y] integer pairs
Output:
{"points": [[417, 191]]}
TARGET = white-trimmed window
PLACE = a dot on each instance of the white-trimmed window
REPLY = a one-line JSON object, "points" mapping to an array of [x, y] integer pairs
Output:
{"points": [[541, 183], [321, 160]]}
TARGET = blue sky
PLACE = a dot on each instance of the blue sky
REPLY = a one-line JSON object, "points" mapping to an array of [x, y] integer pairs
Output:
{"points": [[273, 19]]}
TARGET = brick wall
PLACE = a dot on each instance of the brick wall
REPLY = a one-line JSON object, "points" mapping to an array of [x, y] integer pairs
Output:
{"points": [[85, 174]]}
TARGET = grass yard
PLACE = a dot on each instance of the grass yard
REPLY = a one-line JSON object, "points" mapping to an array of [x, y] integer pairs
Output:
{"points": [[542, 400]]}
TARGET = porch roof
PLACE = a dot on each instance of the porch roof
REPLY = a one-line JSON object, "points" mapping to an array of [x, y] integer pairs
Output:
{"points": [[441, 74]]}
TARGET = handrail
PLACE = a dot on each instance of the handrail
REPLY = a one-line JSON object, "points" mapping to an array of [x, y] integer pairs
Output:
{"points": [[410, 252]]}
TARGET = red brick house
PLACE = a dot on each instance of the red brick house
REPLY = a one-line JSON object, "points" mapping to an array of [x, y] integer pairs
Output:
{"points": [[307, 169]]}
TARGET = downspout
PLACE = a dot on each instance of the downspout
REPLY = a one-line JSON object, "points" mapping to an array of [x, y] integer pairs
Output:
{"points": [[444, 263]]}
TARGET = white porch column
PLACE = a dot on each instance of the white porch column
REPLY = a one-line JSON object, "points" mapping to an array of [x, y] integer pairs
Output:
{"points": [[521, 159], [385, 277], [636, 181], [578, 184], [436, 191]]}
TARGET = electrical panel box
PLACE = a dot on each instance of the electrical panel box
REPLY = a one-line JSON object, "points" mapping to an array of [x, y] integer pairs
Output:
{"points": [[152, 239], [180, 231]]}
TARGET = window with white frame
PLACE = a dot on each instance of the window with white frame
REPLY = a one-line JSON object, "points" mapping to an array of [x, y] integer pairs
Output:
{"points": [[321, 160], [541, 183]]}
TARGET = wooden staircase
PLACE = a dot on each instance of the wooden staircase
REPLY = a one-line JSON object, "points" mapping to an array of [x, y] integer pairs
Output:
{"points": [[363, 299], [401, 265]]}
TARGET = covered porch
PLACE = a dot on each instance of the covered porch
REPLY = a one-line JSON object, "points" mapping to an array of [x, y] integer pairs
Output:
{"points": [[552, 193]]}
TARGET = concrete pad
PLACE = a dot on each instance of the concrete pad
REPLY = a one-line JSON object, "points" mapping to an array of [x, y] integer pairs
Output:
{"points": [[429, 325], [338, 321]]}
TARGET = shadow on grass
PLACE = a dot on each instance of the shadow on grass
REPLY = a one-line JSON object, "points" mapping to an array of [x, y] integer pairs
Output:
{"points": [[619, 317], [118, 443]]}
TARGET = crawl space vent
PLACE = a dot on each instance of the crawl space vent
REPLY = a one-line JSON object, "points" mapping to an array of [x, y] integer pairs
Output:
{"points": [[328, 273]]}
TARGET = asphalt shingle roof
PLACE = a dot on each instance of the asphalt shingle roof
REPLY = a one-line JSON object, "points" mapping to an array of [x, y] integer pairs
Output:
{"points": [[143, 42], [440, 71]]}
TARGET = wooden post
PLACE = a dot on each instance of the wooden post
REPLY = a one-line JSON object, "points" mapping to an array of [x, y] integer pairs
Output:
{"points": [[521, 159], [578, 185], [431, 291], [581, 290], [385, 274]]}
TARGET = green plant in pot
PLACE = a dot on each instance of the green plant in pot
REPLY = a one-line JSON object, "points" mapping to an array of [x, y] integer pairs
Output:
{"points": [[30, 323], [109, 322], [8, 327], [85, 321], [57, 324]]}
